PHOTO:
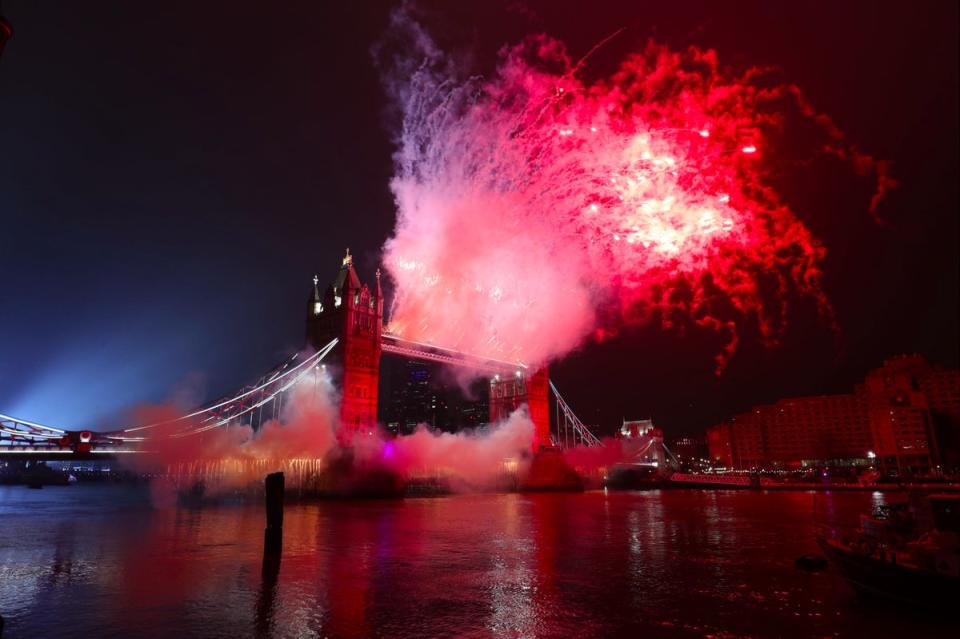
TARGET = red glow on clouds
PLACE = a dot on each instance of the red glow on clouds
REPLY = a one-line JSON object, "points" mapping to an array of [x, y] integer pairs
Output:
{"points": [[536, 209]]}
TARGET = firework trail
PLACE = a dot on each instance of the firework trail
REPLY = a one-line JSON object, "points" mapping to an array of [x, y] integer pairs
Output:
{"points": [[536, 210]]}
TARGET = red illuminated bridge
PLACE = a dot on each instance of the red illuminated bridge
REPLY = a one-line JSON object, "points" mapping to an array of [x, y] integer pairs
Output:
{"points": [[345, 328]]}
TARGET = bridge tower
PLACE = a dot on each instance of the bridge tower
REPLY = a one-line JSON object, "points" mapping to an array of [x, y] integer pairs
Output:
{"points": [[352, 312], [538, 402], [508, 393]]}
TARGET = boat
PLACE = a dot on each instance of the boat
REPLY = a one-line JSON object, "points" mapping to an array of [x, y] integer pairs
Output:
{"points": [[907, 553], [633, 476], [39, 475]]}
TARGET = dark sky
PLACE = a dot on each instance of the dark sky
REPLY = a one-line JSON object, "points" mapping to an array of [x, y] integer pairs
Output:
{"points": [[172, 174]]}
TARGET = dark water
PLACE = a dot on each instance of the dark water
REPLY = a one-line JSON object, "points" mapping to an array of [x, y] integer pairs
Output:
{"points": [[98, 561]]}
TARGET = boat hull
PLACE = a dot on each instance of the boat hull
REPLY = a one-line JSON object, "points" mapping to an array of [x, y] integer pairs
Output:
{"points": [[882, 578]]}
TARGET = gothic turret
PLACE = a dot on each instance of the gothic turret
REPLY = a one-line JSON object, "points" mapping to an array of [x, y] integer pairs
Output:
{"points": [[348, 311], [379, 300]]}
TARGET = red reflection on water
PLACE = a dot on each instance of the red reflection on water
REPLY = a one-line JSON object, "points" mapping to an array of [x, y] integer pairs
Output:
{"points": [[686, 563], [348, 580], [547, 514]]}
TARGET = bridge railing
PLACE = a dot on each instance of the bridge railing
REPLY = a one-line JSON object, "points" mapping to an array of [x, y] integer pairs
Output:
{"points": [[399, 345]]}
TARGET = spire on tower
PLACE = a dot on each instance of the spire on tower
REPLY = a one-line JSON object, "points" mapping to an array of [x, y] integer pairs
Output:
{"points": [[379, 299], [348, 259], [316, 302]]}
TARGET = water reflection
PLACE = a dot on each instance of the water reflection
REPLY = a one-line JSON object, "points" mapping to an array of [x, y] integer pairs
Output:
{"points": [[511, 577], [675, 563], [269, 573]]}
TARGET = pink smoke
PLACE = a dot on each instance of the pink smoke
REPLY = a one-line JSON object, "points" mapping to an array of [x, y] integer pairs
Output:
{"points": [[302, 443], [470, 460]]}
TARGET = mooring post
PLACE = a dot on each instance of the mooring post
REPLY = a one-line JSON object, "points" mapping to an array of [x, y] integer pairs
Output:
{"points": [[272, 545], [273, 535]]}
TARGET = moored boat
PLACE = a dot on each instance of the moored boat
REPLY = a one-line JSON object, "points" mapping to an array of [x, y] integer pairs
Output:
{"points": [[909, 555], [633, 477]]}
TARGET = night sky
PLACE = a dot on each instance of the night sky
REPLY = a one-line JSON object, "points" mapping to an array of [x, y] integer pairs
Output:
{"points": [[172, 174]]}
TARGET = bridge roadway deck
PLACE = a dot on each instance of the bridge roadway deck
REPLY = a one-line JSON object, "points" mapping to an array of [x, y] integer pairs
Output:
{"points": [[397, 345]]}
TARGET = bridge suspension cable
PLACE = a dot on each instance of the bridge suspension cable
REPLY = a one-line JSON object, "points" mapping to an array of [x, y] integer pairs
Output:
{"points": [[570, 430], [269, 398], [31, 425], [22, 437], [674, 462], [272, 378], [22, 431]]}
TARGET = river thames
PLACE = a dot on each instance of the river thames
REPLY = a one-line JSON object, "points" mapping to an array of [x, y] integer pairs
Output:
{"points": [[103, 561]]}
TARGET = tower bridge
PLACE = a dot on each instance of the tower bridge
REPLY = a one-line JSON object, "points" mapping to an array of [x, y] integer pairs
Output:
{"points": [[353, 313], [344, 328]]}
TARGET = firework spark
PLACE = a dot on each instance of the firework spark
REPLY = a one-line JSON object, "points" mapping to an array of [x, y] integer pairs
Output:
{"points": [[536, 209]]}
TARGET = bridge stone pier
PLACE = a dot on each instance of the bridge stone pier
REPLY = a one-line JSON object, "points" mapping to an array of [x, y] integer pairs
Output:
{"points": [[353, 312]]}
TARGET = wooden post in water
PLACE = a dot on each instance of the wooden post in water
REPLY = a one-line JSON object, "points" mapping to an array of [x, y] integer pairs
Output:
{"points": [[273, 535]]}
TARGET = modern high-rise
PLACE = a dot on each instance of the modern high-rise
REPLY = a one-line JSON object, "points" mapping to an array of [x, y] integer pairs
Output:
{"points": [[415, 392]]}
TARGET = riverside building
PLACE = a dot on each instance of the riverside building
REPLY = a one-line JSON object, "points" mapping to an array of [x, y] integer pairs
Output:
{"points": [[904, 419]]}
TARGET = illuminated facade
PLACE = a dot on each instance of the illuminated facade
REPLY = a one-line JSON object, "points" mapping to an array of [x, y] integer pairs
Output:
{"points": [[903, 419], [942, 389], [538, 401], [508, 393], [352, 312], [642, 442], [637, 428], [913, 415], [791, 431], [689, 448]]}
